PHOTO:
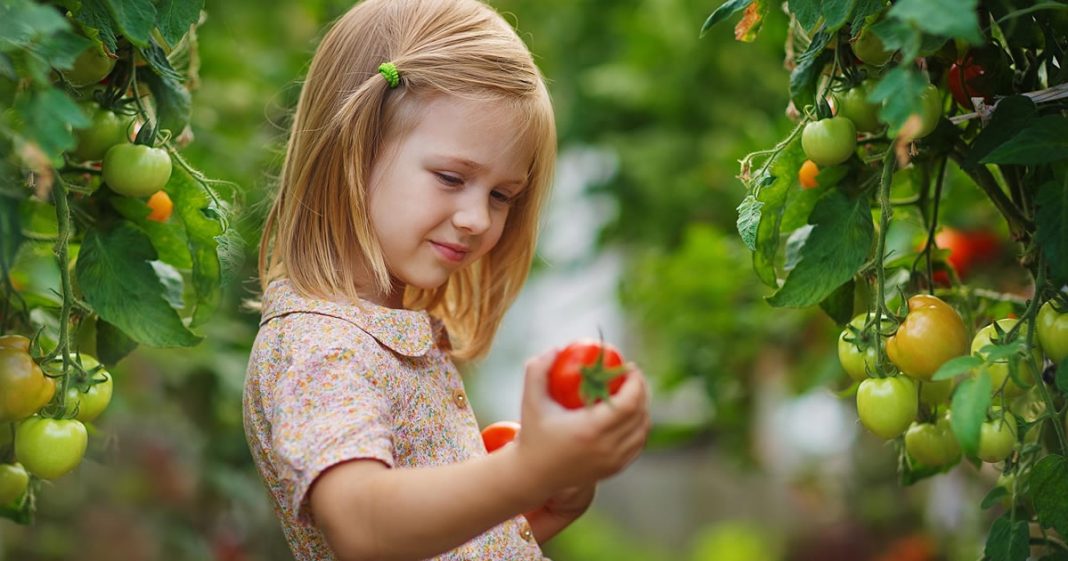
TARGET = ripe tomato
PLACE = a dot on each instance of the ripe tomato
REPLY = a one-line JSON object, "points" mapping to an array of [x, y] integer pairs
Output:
{"points": [[498, 434], [91, 401], [106, 130], [999, 370], [932, 333], [887, 406], [870, 49], [829, 141], [856, 350], [997, 438], [967, 80], [854, 105], [966, 248], [807, 175], [161, 206], [13, 483], [49, 448], [1052, 329], [136, 170], [585, 372], [25, 388], [91, 66], [932, 444]]}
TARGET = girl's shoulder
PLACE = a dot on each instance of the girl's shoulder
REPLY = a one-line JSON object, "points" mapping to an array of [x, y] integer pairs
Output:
{"points": [[317, 323]]}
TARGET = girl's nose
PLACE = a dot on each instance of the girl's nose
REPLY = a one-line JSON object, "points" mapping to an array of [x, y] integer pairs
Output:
{"points": [[473, 216]]}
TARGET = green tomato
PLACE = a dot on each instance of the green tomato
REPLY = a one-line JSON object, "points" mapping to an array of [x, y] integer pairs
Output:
{"points": [[870, 49], [136, 170], [90, 67], [931, 102], [106, 130], [91, 402], [829, 142], [854, 105], [858, 358], [936, 393], [887, 406], [999, 370], [997, 438], [1052, 330], [49, 448], [13, 483], [932, 444]]}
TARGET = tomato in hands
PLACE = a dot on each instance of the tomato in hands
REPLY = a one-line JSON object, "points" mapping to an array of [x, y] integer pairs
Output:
{"points": [[498, 434], [585, 372], [932, 333]]}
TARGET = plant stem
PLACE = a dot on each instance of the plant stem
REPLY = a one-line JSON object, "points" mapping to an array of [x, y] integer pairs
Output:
{"points": [[59, 193], [885, 211]]}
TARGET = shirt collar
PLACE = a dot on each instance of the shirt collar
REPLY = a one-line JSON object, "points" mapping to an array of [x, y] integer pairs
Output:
{"points": [[410, 333]]}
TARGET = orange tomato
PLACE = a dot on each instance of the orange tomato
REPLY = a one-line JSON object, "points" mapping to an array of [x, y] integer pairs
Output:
{"points": [[161, 206], [807, 175]]}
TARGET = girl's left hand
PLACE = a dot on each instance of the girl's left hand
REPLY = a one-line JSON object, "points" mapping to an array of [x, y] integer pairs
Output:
{"points": [[560, 511]]}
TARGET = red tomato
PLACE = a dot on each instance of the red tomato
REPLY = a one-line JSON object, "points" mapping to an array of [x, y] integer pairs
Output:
{"points": [[498, 434], [585, 372], [966, 248]]}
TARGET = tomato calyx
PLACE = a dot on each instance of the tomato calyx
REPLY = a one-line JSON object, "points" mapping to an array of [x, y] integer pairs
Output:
{"points": [[596, 378]]}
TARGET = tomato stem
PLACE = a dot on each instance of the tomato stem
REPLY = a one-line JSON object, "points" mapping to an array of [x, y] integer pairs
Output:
{"points": [[59, 193], [885, 211]]}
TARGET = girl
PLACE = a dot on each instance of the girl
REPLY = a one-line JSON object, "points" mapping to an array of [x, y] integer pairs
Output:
{"points": [[421, 152]]}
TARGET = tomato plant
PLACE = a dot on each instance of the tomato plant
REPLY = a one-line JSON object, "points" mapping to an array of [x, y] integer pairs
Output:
{"points": [[136, 170], [50, 448], [585, 372], [1052, 330], [932, 333], [496, 435], [843, 253], [829, 141], [887, 406]]}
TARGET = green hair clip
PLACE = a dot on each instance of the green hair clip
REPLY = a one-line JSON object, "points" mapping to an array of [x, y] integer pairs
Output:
{"points": [[389, 70]]}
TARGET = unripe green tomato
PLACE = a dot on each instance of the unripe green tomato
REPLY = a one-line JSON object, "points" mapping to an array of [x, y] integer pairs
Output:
{"points": [[931, 100], [136, 170], [935, 393], [997, 438], [932, 444], [829, 142], [854, 105], [91, 403], [90, 67], [13, 483], [106, 130], [855, 361], [887, 406], [870, 49], [999, 370], [1051, 327], [49, 448]]}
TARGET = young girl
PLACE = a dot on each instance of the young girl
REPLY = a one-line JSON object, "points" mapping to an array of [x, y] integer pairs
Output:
{"points": [[420, 155]]}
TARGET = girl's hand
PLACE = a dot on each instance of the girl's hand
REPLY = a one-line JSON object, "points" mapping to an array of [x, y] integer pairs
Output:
{"points": [[560, 511], [564, 448]]}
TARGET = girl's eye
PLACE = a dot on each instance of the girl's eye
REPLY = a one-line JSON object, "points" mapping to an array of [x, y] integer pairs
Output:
{"points": [[502, 197], [450, 180]]}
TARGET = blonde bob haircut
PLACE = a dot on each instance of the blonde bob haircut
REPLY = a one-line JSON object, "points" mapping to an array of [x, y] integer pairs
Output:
{"points": [[318, 232]]}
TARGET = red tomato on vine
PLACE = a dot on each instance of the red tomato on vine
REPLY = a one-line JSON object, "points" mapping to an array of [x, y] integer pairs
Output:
{"points": [[585, 372]]}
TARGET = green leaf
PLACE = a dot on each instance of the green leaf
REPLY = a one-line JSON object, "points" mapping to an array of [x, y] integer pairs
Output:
{"points": [[969, 405], [800, 202], [173, 102], [839, 305], [118, 281], [994, 497], [38, 219], [172, 283], [864, 10], [134, 18], [61, 49], [724, 11], [1062, 376], [1048, 486], [1011, 116], [836, 249], [202, 217], [157, 61], [49, 115], [1007, 540], [899, 92], [1042, 141], [176, 16], [952, 19], [749, 220], [807, 12], [957, 366], [112, 344], [806, 75], [22, 22], [1051, 220], [774, 195], [167, 237], [897, 35], [836, 13], [96, 19]]}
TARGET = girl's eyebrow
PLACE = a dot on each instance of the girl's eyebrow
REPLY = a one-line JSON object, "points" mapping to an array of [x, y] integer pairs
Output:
{"points": [[476, 167]]}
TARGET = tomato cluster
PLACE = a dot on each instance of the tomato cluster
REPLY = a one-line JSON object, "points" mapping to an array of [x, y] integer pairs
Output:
{"points": [[38, 438]]}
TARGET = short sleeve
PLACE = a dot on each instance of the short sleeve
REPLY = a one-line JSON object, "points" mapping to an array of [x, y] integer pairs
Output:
{"points": [[325, 409]]}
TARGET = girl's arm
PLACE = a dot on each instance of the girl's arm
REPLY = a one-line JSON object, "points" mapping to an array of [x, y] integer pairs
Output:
{"points": [[369, 512]]}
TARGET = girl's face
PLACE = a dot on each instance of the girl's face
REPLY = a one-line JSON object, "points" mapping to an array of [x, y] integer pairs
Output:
{"points": [[439, 196]]}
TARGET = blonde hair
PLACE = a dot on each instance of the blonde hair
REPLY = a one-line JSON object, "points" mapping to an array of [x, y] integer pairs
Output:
{"points": [[318, 232]]}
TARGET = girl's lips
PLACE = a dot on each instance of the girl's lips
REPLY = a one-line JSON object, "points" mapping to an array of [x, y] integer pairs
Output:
{"points": [[450, 252]]}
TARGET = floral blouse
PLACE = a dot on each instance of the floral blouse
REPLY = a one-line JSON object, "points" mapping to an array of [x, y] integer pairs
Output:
{"points": [[329, 382]]}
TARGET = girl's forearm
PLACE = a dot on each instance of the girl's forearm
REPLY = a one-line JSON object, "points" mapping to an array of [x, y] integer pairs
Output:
{"points": [[416, 513]]}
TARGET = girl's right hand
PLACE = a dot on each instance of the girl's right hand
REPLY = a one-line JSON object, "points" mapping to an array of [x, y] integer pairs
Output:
{"points": [[573, 447]]}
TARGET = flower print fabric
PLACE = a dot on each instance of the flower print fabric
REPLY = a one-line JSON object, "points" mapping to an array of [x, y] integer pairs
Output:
{"points": [[329, 382]]}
